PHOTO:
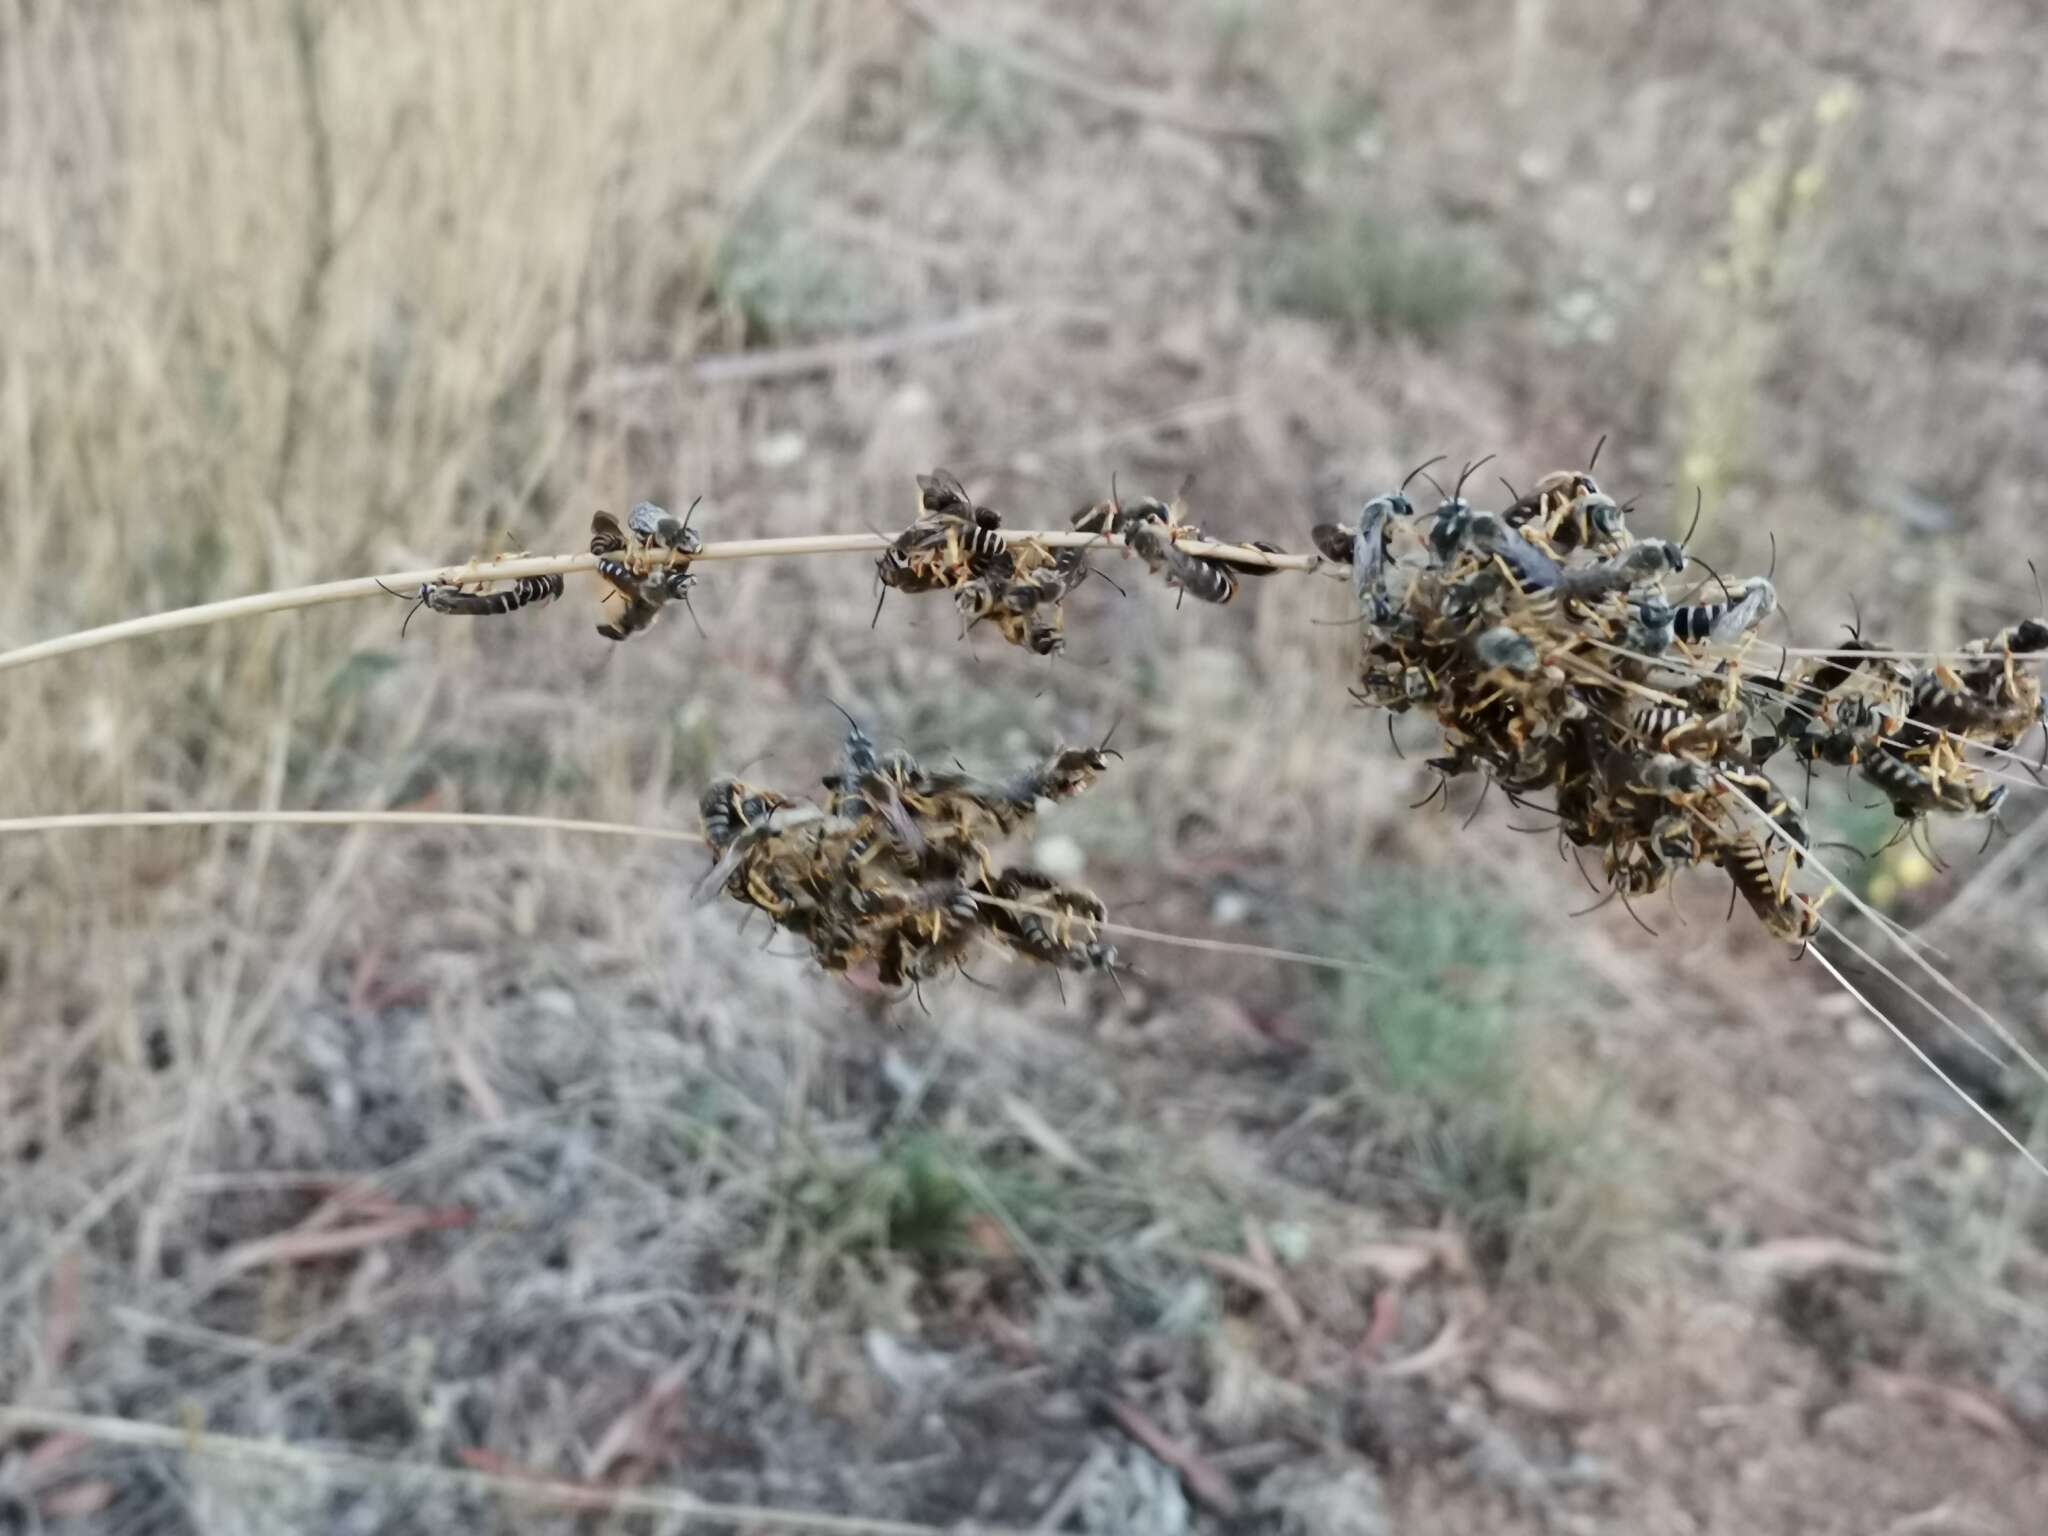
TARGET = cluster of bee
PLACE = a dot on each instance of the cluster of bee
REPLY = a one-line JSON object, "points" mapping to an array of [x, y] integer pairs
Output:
{"points": [[894, 866], [1017, 584], [1544, 640], [1904, 728], [646, 564]]}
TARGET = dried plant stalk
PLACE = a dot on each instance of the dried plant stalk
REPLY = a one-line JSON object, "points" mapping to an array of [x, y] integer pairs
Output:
{"points": [[511, 569]]}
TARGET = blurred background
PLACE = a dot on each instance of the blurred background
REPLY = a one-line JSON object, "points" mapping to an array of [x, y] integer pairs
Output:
{"points": [[491, 1151]]}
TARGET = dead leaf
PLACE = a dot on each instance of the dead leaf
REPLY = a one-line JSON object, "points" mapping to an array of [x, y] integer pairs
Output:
{"points": [[1286, 1310], [550, 1490], [1385, 1322], [298, 1246], [61, 1309], [1037, 1130], [1795, 1258], [1450, 1347], [1971, 1408], [1204, 1483], [76, 1500], [987, 1239], [1531, 1391], [641, 1433], [1395, 1263], [49, 1453]]}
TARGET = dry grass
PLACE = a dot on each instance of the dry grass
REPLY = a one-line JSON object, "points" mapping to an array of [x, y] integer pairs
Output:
{"points": [[291, 302]]}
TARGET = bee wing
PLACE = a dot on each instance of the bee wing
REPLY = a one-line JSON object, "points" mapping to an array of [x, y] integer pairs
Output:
{"points": [[941, 491], [714, 879], [889, 806], [1333, 541]]}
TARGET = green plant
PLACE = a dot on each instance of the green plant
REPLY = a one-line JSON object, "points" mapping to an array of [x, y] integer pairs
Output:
{"points": [[1358, 271], [1433, 1043]]}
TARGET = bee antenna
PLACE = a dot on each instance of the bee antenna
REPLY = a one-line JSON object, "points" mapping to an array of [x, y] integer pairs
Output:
{"points": [[1698, 501], [1466, 473], [691, 609], [387, 590], [1418, 469], [692, 507], [2037, 586], [1441, 494], [1091, 571], [881, 597], [418, 603], [1772, 535], [1629, 907], [1513, 494], [1595, 459], [1856, 608], [1715, 574], [1103, 746], [844, 711]]}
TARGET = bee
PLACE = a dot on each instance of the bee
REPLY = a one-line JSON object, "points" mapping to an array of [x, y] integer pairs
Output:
{"points": [[739, 822], [1916, 790], [645, 596], [1650, 625], [940, 494], [1724, 623], [1570, 510], [1114, 517], [1782, 810], [1059, 927], [866, 784], [1211, 581], [1669, 776], [448, 597], [1785, 913], [1533, 570], [646, 593], [1065, 772], [1364, 548], [657, 528], [728, 808], [1644, 561], [1507, 650], [606, 536]]}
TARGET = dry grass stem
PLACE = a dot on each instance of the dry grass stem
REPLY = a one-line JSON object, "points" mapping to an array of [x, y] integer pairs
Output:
{"points": [[553, 1492], [511, 569], [101, 820]]}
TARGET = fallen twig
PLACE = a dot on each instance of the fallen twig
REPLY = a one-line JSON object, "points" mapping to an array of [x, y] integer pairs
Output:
{"points": [[1203, 1481]]}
